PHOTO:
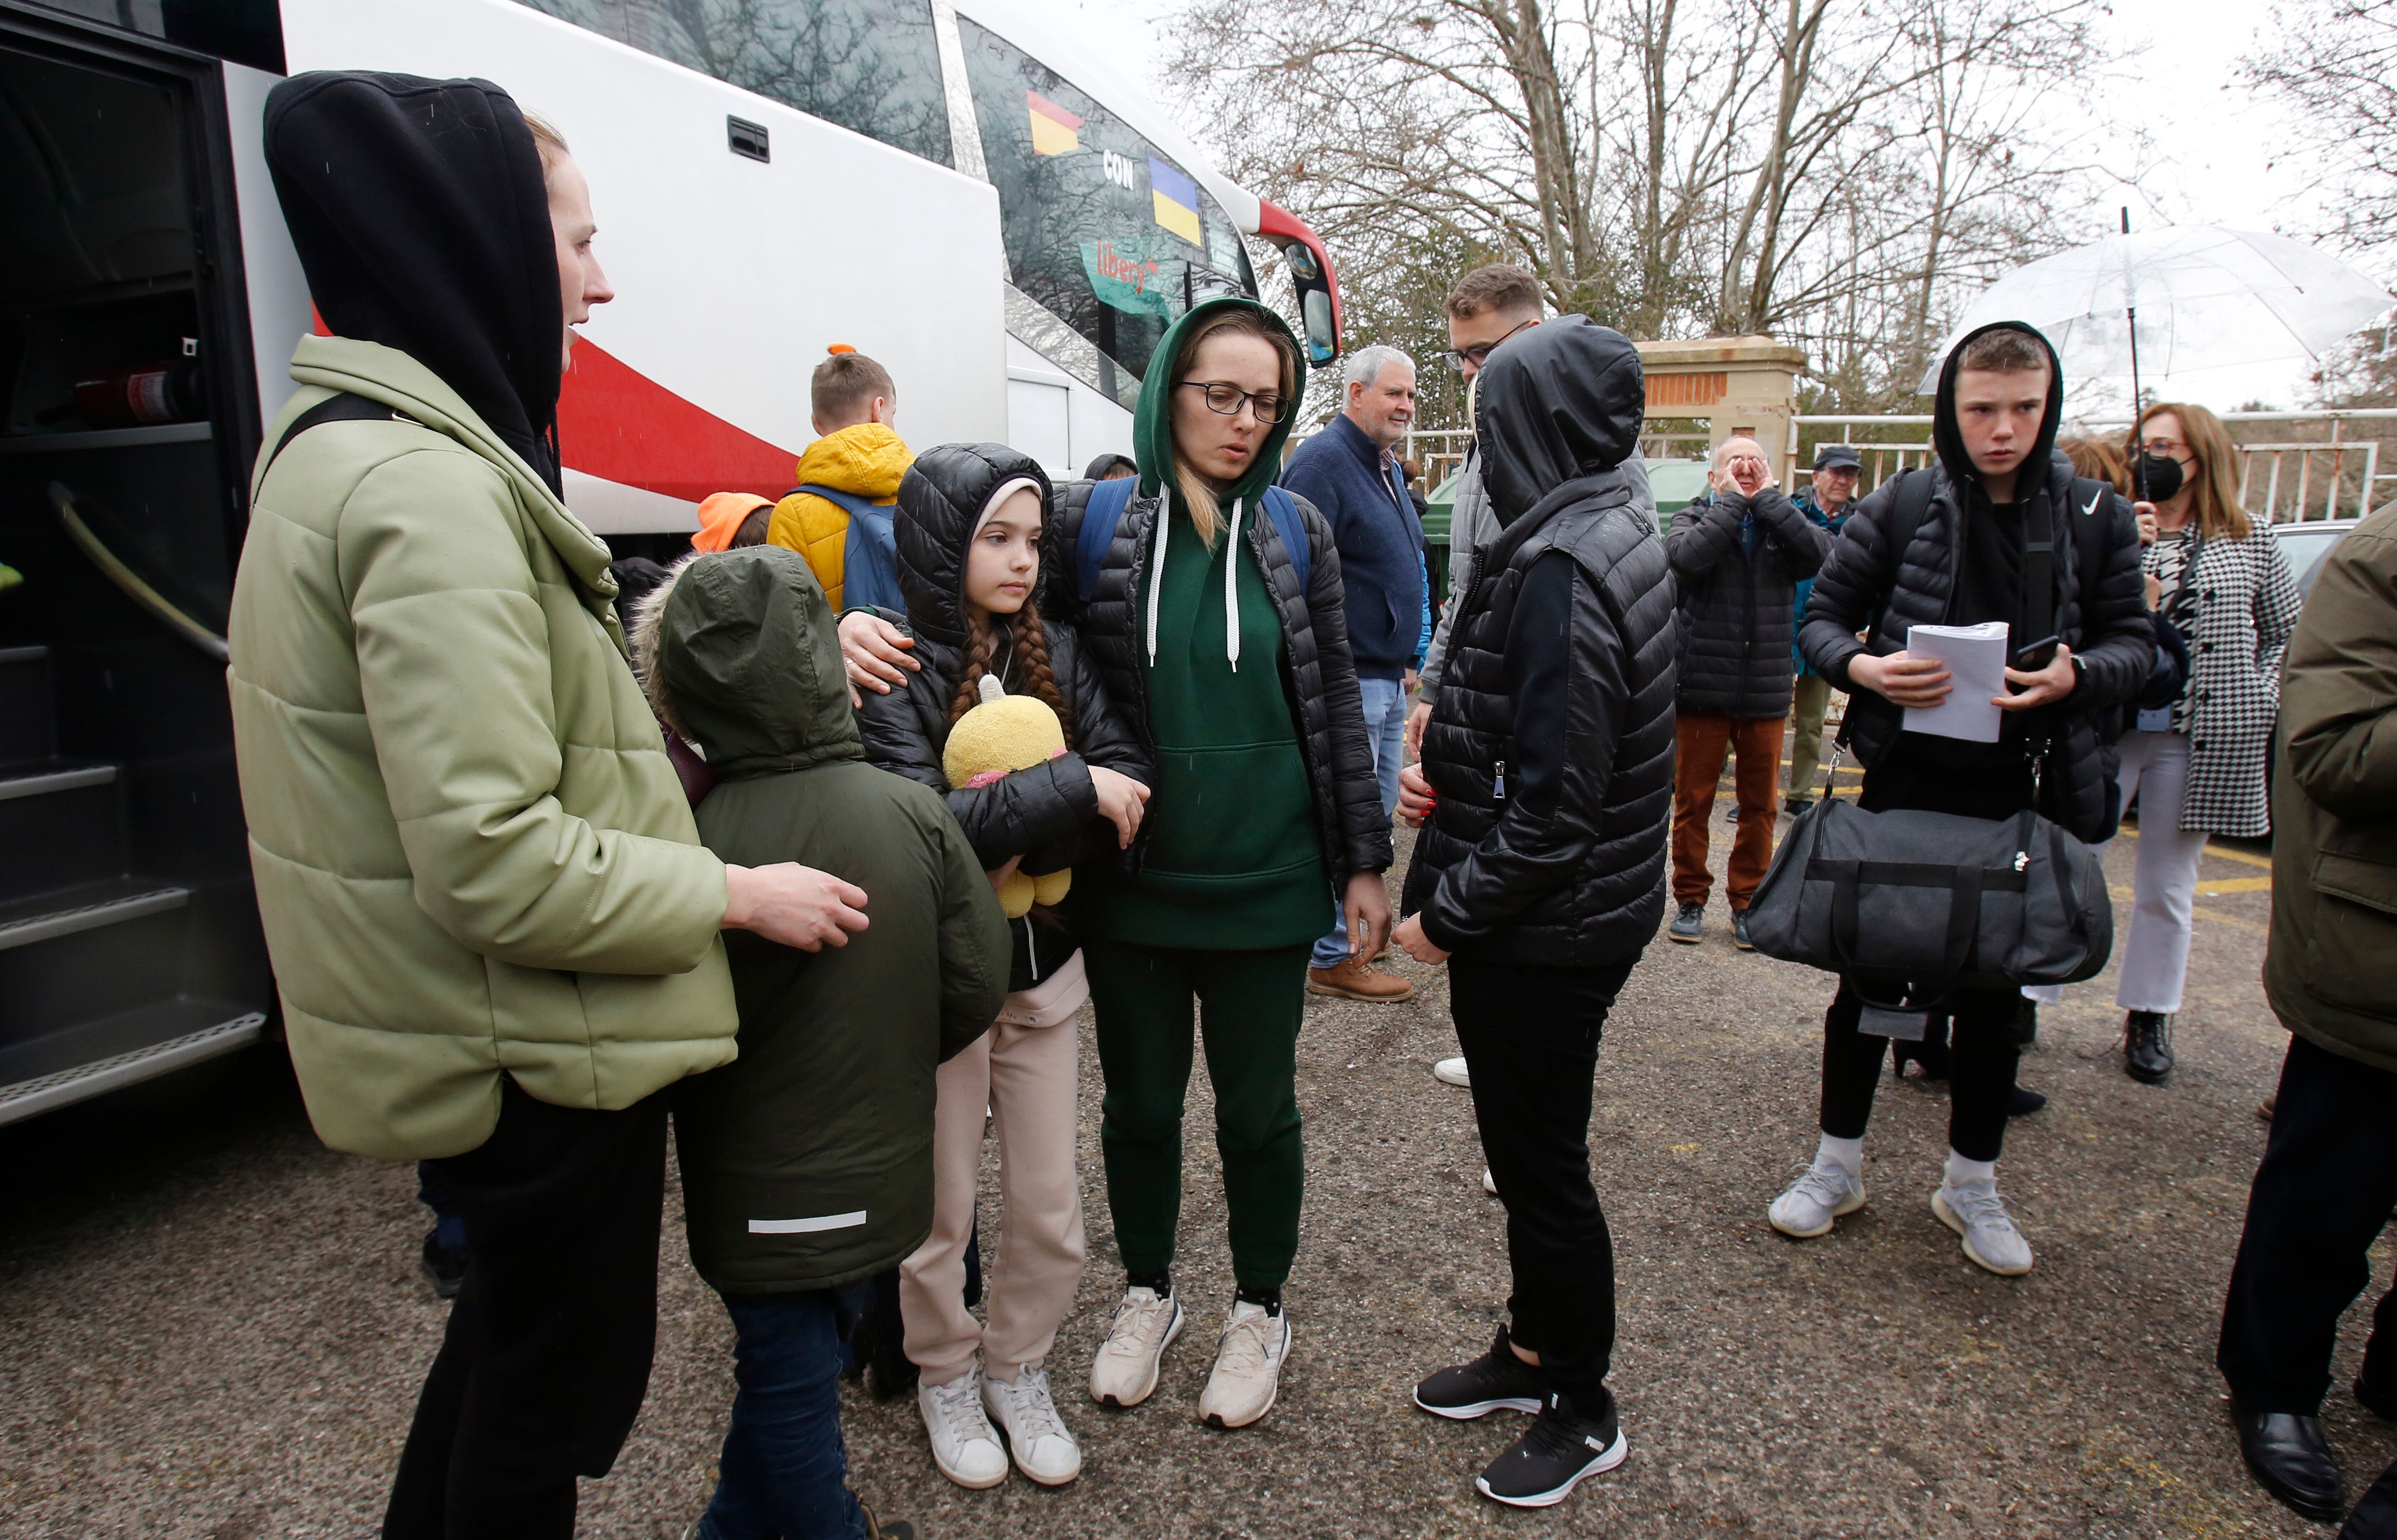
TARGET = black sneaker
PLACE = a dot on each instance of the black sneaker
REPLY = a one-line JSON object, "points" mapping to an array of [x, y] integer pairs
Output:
{"points": [[1739, 931], [1552, 1456], [1688, 924], [444, 1267], [1795, 805], [2146, 1047], [2022, 1104], [1497, 1381]]}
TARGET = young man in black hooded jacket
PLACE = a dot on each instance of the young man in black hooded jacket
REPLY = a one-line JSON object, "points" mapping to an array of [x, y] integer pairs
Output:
{"points": [[2000, 489], [1548, 776]]}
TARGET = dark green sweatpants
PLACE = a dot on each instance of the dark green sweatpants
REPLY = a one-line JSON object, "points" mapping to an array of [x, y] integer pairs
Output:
{"points": [[1250, 1005]]}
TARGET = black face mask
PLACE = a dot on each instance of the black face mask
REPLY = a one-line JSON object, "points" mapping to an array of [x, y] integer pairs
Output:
{"points": [[2155, 477]]}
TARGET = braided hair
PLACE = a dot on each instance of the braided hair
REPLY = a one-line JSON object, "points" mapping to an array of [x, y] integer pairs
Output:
{"points": [[1029, 641]]}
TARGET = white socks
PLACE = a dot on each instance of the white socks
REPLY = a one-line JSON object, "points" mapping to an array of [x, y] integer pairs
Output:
{"points": [[1846, 1154], [1960, 1171]]}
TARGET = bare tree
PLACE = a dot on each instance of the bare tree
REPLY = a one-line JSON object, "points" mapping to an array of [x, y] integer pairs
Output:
{"points": [[2336, 64]]}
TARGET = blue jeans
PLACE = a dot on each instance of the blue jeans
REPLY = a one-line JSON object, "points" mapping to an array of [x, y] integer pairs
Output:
{"points": [[783, 1475], [1386, 734]]}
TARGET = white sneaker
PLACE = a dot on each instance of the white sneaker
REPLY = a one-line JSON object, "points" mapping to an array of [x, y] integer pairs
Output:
{"points": [[1976, 1212], [1489, 1183], [1044, 1449], [1248, 1367], [1451, 1072], [1125, 1370], [963, 1444], [1825, 1191]]}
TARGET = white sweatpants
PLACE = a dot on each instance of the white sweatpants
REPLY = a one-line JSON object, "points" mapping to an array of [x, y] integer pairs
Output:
{"points": [[2155, 958]]}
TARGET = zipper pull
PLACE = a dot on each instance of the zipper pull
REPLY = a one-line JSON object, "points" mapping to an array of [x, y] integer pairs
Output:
{"points": [[1498, 786]]}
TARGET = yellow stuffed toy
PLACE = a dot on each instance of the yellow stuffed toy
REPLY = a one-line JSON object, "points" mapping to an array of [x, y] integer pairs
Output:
{"points": [[1004, 734]]}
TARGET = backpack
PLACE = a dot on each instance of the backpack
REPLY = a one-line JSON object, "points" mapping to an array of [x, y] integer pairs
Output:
{"points": [[1105, 510], [869, 560]]}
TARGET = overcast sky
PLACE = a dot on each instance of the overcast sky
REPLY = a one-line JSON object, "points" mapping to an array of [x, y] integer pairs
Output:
{"points": [[2209, 156]]}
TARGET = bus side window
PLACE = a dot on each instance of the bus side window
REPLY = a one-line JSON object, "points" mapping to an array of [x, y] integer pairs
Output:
{"points": [[869, 66]]}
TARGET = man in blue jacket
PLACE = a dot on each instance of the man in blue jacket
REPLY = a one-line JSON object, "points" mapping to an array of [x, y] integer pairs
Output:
{"points": [[1348, 471]]}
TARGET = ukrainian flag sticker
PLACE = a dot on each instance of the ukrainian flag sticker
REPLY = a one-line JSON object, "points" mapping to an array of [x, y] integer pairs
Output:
{"points": [[1055, 131], [1175, 199]]}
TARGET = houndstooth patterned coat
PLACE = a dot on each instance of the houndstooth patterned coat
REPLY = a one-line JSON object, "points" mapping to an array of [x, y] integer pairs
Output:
{"points": [[2236, 612]]}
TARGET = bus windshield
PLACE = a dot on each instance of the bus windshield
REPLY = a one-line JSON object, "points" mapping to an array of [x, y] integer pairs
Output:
{"points": [[1102, 230]]}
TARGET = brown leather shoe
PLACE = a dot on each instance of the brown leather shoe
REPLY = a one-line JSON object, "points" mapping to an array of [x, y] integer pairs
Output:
{"points": [[1351, 980]]}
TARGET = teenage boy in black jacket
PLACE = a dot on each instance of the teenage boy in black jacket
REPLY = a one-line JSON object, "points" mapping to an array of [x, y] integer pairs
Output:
{"points": [[1999, 485], [1539, 875]]}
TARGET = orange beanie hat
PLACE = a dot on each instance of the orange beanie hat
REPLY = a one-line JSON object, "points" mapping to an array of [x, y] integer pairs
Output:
{"points": [[720, 518]]}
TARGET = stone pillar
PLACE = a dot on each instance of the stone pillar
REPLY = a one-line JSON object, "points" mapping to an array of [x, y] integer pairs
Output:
{"points": [[1743, 386]]}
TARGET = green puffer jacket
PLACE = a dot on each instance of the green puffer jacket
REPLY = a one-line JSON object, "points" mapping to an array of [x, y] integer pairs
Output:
{"points": [[809, 1164], [473, 855], [2327, 969]]}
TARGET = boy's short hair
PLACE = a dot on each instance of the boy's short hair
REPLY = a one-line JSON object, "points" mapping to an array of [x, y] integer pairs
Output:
{"points": [[845, 385], [754, 529], [2006, 350], [1500, 286]]}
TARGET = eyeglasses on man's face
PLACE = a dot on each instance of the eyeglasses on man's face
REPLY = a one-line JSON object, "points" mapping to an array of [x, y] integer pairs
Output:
{"points": [[1271, 406], [1480, 353]]}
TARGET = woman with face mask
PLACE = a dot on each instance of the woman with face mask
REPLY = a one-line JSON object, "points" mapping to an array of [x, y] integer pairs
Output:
{"points": [[2198, 765]]}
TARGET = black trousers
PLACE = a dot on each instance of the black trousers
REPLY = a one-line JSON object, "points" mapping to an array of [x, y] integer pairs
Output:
{"points": [[2322, 1194], [547, 1355], [1530, 1036], [1981, 1053]]}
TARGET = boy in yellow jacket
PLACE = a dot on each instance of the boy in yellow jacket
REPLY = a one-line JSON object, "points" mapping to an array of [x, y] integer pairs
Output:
{"points": [[838, 518]]}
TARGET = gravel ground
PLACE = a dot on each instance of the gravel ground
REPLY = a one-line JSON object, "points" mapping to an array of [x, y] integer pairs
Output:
{"points": [[211, 1327]]}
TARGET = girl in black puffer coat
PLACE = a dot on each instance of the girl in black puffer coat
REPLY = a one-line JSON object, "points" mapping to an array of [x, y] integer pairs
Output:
{"points": [[971, 529]]}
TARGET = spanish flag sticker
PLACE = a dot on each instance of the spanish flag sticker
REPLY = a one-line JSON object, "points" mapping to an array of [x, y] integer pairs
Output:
{"points": [[1054, 131], [1175, 199]]}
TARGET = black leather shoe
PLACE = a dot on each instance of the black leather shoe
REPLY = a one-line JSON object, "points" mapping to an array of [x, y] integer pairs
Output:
{"points": [[2146, 1047], [2379, 1400], [2022, 1104], [2288, 1457]]}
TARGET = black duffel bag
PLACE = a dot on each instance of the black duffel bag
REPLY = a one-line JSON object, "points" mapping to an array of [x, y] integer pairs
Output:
{"points": [[1909, 906]]}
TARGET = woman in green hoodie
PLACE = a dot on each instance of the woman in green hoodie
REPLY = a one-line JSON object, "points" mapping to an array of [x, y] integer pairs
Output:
{"points": [[1210, 601]]}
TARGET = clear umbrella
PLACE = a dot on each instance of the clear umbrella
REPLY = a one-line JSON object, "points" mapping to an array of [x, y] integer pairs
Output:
{"points": [[2204, 298]]}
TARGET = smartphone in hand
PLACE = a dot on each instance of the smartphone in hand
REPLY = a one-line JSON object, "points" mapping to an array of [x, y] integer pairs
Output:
{"points": [[2038, 655]]}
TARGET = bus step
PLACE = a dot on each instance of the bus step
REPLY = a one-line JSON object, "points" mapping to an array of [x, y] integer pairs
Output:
{"points": [[151, 1041], [86, 908], [62, 825]]}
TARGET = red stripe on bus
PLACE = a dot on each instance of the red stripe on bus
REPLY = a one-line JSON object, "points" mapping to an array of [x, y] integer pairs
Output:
{"points": [[619, 424]]}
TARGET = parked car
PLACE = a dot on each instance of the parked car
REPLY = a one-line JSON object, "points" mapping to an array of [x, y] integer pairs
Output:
{"points": [[2305, 545]]}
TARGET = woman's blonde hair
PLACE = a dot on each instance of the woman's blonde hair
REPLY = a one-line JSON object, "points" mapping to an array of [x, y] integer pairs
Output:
{"points": [[2098, 460], [548, 141], [2215, 494], [1197, 494]]}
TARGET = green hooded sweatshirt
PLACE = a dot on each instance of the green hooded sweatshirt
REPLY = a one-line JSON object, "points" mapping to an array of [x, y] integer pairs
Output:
{"points": [[807, 1163], [1232, 859]]}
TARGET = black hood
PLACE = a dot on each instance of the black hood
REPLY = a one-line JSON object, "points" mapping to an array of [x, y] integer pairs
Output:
{"points": [[1559, 402], [420, 214], [1949, 442], [941, 500]]}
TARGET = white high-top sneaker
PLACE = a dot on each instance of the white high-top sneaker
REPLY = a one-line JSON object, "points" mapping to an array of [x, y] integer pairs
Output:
{"points": [[963, 1444], [1043, 1448], [1248, 1367], [1125, 1370]]}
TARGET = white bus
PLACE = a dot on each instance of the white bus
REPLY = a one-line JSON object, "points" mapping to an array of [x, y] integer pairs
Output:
{"points": [[946, 185]]}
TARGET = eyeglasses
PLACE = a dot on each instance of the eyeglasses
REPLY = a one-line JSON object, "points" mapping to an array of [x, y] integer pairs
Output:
{"points": [[2169, 448], [1479, 354], [1270, 407]]}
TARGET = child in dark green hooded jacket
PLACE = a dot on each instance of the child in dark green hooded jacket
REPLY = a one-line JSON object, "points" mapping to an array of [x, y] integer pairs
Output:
{"points": [[807, 1163]]}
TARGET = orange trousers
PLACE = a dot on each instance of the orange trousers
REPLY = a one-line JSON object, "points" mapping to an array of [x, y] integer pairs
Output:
{"points": [[1700, 741]]}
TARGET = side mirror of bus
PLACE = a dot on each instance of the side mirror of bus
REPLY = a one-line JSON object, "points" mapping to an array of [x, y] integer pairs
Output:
{"points": [[1310, 278]]}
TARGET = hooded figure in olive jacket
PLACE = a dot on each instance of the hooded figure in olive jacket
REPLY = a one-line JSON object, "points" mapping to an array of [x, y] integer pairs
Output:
{"points": [[807, 1162]]}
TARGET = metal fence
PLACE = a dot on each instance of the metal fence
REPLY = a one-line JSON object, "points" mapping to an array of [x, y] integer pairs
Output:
{"points": [[2328, 466]]}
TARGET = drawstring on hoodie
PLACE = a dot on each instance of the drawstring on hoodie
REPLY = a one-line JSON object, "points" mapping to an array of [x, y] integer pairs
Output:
{"points": [[1231, 586]]}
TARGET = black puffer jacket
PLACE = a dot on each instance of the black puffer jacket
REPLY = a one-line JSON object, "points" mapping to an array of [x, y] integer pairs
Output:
{"points": [[1560, 679], [1736, 604], [1318, 675], [1049, 814], [2113, 642]]}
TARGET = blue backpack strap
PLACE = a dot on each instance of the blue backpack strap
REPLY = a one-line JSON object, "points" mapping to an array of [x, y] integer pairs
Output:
{"points": [[870, 557], [1100, 515], [1283, 509]]}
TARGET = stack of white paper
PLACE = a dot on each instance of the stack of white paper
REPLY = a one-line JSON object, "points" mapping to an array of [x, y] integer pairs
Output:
{"points": [[1975, 656]]}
